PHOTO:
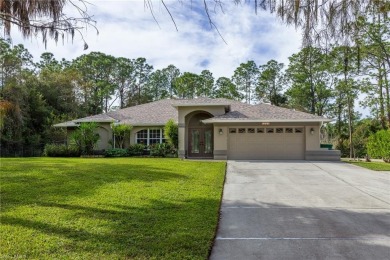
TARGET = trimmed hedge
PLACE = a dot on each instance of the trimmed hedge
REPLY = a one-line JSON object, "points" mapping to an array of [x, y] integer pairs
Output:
{"points": [[61, 150], [156, 150], [136, 150], [117, 152], [162, 150]]}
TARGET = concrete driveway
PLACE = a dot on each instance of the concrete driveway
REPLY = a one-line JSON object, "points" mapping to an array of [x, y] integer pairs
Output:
{"points": [[303, 210]]}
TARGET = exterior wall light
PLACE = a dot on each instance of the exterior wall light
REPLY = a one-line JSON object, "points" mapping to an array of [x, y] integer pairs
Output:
{"points": [[220, 131], [312, 131]]}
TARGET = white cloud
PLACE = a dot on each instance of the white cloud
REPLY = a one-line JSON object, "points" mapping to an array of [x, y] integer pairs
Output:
{"points": [[127, 29]]}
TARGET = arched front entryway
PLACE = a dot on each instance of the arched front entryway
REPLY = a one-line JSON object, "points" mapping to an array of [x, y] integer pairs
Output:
{"points": [[200, 136]]}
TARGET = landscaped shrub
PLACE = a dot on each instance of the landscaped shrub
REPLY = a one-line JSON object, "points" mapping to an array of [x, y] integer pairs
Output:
{"points": [[136, 150], [73, 151], [162, 150], [117, 152], [60, 150], [121, 133], [54, 150], [171, 132], [85, 137], [378, 145]]}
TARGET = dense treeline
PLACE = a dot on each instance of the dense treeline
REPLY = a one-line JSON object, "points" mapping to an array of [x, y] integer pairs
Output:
{"points": [[33, 96]]}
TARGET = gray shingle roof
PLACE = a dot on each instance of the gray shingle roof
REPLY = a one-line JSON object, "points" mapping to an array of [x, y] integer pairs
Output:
{"points": [[159, 112], [96, 118], [264, 112], [66, 124], [202, 101], [154, 113]]}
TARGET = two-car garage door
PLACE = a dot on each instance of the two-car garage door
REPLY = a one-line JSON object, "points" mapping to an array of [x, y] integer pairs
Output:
{"points": [[266, 143]]}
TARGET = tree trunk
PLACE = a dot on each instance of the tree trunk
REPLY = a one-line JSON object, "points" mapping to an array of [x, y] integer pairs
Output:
{"points": [[106, 104], [312, 93], [248, 90], [121, 97], [350, 126], [349, 101], [381, 99], [339, 112], [386, 85], [382, 42]]}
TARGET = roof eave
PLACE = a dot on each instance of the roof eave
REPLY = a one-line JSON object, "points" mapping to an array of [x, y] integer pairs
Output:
{"points": [[64, 125], [96, 121], [144, 124], [211, 121], [202, 105]]}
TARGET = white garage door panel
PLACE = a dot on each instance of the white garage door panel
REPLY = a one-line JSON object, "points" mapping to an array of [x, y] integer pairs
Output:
{"points": [[266, 146]]}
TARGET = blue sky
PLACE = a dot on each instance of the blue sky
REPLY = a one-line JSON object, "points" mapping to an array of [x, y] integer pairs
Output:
{"points": [[127, 29]]}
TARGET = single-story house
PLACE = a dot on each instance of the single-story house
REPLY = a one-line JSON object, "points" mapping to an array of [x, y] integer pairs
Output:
{"points": [[220, 129]]}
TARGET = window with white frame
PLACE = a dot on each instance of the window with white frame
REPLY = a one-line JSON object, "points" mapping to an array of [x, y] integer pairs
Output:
{"points": [[150, 136], [142, 137]]}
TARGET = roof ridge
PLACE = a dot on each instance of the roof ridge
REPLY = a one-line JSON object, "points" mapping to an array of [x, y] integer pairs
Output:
{"points": [[139, 105]]}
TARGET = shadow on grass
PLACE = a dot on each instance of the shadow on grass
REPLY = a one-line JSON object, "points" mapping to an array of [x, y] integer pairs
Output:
{"points": [[182, 230], [57, 182]]}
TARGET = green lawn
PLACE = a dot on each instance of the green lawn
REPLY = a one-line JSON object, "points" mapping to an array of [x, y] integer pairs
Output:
{"points": [[376, 166], [95, 208]]}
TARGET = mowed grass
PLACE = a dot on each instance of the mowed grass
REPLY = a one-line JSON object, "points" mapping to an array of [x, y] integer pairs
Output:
{"points": [[95, 208], [376, 166]]}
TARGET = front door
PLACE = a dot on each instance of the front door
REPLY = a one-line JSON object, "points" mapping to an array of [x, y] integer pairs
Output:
{"points": [[200, 143]]}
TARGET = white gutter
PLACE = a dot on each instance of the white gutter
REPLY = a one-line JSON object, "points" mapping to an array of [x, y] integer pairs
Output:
{"points": [[200, 105], [145, 124], [211, 121], [96, 121]]}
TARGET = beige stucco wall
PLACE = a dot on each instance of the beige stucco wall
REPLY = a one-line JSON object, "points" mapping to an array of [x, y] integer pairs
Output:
{"points": [[105, 134], [69, 132], [182, 138], [312, 140], [184, 111], [220, 142]]}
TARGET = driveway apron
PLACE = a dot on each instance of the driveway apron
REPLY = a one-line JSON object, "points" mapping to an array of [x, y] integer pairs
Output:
{"points": [[303, 210]]}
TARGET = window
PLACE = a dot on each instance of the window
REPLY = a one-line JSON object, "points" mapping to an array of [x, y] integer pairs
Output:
{"points": [[299, 130], [241, 130], [142, 137], [260, 130], [154, 136], [270, 130], [251, 130], [150, 136], [279, 130], [289, 130], [232, 130]]}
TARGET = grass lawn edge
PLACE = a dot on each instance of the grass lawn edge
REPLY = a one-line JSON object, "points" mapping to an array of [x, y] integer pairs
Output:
{"points": [[219, 215], [373, 165]]}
